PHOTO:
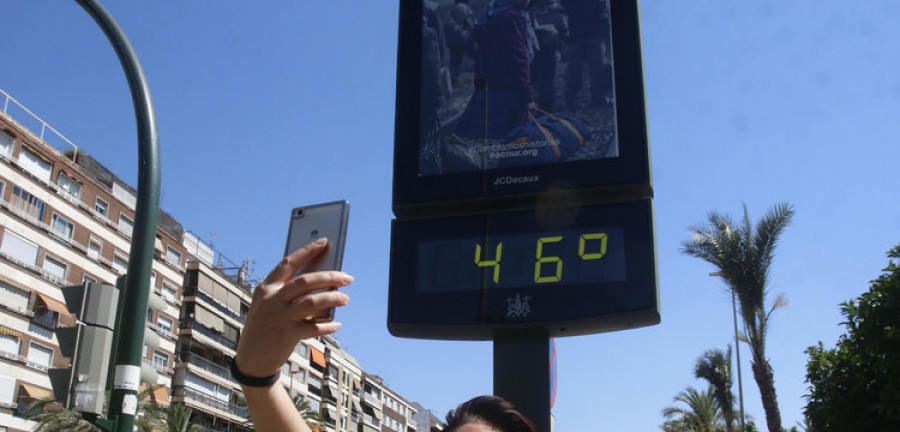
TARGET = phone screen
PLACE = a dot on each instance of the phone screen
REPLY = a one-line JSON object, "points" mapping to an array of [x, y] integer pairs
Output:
{"points": [[310, 223]]}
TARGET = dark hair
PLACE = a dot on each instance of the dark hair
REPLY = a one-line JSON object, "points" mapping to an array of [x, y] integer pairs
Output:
{"points": [[490, 410]]}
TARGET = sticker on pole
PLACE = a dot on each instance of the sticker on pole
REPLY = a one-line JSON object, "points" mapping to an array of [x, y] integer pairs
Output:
{"points": [[129, 404], [128, 377]]}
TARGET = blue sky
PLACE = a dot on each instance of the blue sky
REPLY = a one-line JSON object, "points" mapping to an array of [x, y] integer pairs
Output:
{"points": [[267, 105]]}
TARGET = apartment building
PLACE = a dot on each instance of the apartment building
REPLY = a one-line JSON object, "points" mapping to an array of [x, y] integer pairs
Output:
{"points": [[384, 410], [64, 219], [426, 421], [216, 301]]}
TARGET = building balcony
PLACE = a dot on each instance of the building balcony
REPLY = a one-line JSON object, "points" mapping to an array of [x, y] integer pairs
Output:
{"points": [[207, 300], [159, 367], [23, 312], [412, 423], [162, 331], [210, 367], [211, 402], [372, 400], [210, 334], [371, 421], [12, 356]]}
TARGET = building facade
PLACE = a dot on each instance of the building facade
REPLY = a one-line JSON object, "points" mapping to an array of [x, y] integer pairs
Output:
{"points": [[65, 219]]}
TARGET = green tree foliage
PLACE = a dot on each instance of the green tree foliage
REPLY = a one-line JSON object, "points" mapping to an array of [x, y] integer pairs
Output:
{"points": [[315, 420], [714, 366], [178, 419], [51, 417], [743, 253], [856, 385], [698, 412]]}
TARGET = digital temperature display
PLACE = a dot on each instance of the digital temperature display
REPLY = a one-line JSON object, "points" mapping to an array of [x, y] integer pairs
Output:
{"points": [[521, 260], [565, 271]]}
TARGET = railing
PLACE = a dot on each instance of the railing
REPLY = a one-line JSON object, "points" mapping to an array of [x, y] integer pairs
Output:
{"points": [[159, 366], [101, 217], [38, 366], [162, 331], [70, 197], [240, 411], [372, 400], [412, 423], [23, 264], [220, 307], [19, 311], [56, 280], [29, 119], [371, 421], [13, 356], [31, 219], [213, 335], [209, 366]]}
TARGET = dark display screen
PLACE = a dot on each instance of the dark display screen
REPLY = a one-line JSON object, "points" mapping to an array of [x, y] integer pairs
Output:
{"points": [[515, 83], [541, 259], [570, 271], [503, 100]]}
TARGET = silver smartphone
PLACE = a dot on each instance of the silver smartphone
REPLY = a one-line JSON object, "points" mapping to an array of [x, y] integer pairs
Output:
{"points": [[312, 222]]}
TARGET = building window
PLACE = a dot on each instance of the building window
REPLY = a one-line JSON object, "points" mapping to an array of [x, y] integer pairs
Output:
{"points": [[9, 344], [7, 390], [303, 350], [40, 356], [165, 323], [169, 292], [69, 188], [28, 203], [2, 188], [62, 227], [18, 248], [315, 384], [101, 208], [313, 404], [160, 360], [35, 165], [55, 268], [6, 143], [152, 281], [13, 297], [86, 278], [126, 225], [120, 263], [173, 256], [95, 247], [43, 315]]}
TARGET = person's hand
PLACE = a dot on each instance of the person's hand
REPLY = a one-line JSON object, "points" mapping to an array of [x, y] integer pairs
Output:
{"points": [[281, 306], [532, 106]]}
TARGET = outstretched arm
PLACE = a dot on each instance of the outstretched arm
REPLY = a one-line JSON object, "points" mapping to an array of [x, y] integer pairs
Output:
{"points": [[278, 320]]}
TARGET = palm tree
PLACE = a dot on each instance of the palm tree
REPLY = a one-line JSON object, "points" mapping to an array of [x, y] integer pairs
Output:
{"points": [[312, 418], [743, 255], [714, 366], [702, 413], [51, 417], [178, 419]]}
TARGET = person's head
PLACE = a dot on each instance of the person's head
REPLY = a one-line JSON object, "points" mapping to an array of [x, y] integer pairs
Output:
{"points": [[487, 414]]}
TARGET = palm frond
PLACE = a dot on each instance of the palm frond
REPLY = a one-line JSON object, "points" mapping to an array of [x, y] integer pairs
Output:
{"points": [[769, 229]]}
